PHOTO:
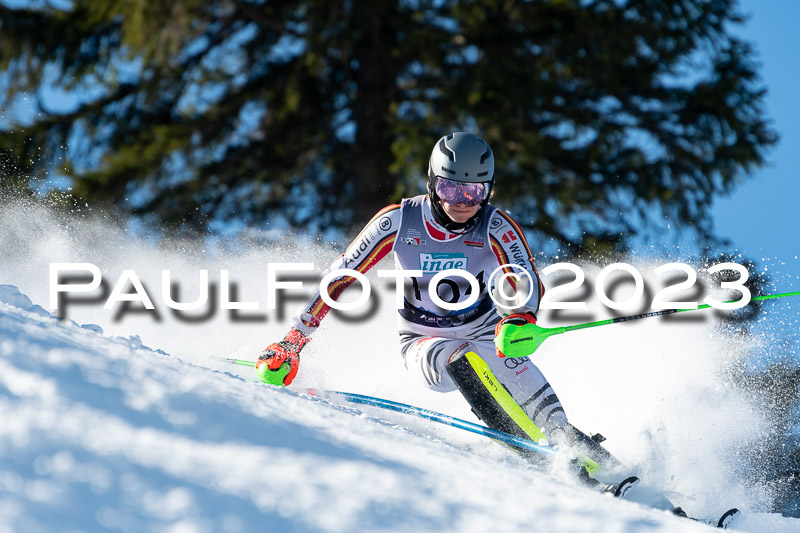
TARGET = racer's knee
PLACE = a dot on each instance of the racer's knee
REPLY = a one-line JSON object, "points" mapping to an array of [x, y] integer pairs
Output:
{"points": [[461, 350], [428, 358]]}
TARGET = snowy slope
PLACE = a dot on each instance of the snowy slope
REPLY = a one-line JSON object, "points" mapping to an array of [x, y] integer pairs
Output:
{"points": [[100, 433]]}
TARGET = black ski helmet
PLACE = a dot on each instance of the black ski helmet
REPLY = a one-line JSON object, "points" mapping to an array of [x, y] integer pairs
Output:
{"points": [[460, 156]]}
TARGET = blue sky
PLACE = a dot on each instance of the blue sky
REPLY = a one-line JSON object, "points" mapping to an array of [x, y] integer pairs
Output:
{"points": [[762, 215]]}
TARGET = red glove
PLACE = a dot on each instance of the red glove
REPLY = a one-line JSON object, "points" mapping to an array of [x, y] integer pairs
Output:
{"points": [[279, 363], [507, 330]]}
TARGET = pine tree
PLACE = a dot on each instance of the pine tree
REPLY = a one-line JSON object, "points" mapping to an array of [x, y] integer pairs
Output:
{"points": [[600, 113]]}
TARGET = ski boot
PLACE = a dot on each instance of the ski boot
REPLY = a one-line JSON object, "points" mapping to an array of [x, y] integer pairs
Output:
{"points": [[619, 490]]}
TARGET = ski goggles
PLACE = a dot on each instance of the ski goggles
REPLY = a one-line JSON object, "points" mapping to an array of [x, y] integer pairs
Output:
{"points": [[459, 192]]}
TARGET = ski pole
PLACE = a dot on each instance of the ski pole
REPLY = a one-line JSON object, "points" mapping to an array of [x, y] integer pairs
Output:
{"points": [[231, 360], [412, 410], [535, 335]]}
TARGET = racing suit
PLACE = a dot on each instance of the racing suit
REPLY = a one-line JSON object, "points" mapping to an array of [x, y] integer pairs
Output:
{"points": [[431, 335]]}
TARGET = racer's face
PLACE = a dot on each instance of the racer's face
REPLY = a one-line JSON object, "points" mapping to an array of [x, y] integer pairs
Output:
{"points": [[460, 200], [459, 213]]}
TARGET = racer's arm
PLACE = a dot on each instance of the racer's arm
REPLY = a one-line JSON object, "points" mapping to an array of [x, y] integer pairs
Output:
{"points": [[374, 243], [511, 248], [279, 363]]}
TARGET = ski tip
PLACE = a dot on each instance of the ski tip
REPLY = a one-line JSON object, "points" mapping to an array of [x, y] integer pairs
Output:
{"points": [[723, 522], [625, 485], [728, 518]]}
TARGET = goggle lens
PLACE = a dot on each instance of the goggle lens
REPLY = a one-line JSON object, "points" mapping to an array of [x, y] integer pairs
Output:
{"points": [[459, 192]]}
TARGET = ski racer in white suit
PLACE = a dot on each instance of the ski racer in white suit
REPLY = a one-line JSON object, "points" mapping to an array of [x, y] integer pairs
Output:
{"points": [[453, 226]]}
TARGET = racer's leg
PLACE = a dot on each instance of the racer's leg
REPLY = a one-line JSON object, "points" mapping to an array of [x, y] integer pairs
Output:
{"points": [[533, 393], [434, 361], [426, 358], [441, 364]]}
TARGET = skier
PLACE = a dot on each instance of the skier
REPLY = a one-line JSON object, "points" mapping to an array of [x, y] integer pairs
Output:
{"points": [[455, 226]]}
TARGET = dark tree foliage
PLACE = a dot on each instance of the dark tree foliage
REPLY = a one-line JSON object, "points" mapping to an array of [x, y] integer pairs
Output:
{"points": [[318, 113]]}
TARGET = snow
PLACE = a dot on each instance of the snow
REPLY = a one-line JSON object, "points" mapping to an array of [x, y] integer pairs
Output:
{"points": [[99, 433], [135, 429]]}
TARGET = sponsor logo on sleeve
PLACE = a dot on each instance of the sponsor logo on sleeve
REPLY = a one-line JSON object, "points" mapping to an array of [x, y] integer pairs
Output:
{"points": [[357, 250], [517, 254]]}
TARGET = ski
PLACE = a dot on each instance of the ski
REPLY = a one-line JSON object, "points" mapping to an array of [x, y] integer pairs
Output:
{"points": [[522, 443], [413, 410], [433, 416], [619, 490], [727, 518]]}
